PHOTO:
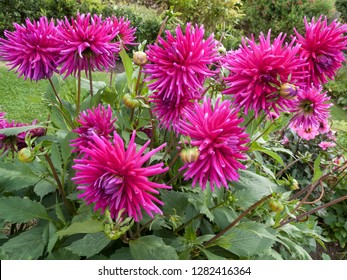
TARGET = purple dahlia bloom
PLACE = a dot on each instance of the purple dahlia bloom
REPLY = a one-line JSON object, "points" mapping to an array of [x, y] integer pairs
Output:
{"points": [[87, 40], [310, 109], [32, 49], [322, 47], [114, 178], [215, 131], [258, 70], [93, 121], [179, 66]]}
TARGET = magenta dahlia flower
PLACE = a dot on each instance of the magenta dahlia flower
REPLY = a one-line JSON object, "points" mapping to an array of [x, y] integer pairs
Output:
{"points": [[97, 121], [179, 66], [32, 49], [326, 145], [114, 178], [126, 33], [310, 108], [258, 70], [322, 47], [215, 131], [306, 133], [85, 41]]}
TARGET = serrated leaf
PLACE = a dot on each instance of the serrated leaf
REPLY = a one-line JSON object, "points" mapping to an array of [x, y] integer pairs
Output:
{"points": [[252, 187], [89, 226], [174, 202], [151, 247], [224, 216], [28, 245], [122, 254], [44, 187], [62, 254], [317, 173], [16, 130], [201, 202], [20, 210], [247, 239], [16, 176], [89, 245]]}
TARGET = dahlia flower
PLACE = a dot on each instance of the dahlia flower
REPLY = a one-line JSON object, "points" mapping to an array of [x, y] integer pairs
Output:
{"points": [[126, 33], [93, 121], [307, 132], [114, 178], [310, 108], [258, 70], [215, 131], [32, 49], [322, 47], [86, 41], [180, 65]]}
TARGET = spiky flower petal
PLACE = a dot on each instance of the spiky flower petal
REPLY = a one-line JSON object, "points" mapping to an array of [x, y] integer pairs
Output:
{"points": [[32, 49], [258, 70], [115, 178], [322, 47], [216, 132]]}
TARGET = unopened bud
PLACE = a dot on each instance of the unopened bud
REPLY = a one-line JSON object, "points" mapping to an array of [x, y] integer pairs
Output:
{"points": [[130, 102], [288, 91], [189, 155], [26, 155], [295, 185], [140, 58]]}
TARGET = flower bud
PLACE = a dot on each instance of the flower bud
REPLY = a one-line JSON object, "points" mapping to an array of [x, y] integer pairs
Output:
{"points": [[294, 185], [26, 155], [189, 155], [130, 102], [288, 91], [276, 206], [140, 58]]}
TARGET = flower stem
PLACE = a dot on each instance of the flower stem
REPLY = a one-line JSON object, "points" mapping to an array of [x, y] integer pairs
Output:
{"points": [[235, 222], [55, 92], [68, 205], [78, 101], [90, 78], [137, 93]]}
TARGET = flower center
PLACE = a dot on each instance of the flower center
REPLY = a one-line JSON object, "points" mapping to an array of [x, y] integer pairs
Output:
{"points": [[307, 106], [266, 78], [324, 61], [109, 183]]}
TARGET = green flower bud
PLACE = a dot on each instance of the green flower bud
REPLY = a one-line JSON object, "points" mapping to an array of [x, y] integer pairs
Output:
{"points": [[276, 205], [26, 155], [130, 102]]}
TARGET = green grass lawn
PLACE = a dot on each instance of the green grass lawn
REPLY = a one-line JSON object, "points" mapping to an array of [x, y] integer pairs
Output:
{"points": [[21, 100]]}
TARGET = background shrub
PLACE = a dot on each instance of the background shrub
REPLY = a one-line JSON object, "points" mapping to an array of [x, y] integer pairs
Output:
{"points": [[281, 15]]}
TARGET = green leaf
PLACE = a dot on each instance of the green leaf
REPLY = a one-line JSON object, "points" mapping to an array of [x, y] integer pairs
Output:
{"points": [[223, 216], [247, 239], [16, 130], [174, 202], [151, 247], [29, 245], [317, 173], [62, 254], [211, 256], [89, 245], [251, 188], [128, 66], [122, 254], [89, 226], [21, 210], [120, 83], [85, 84], [14, 177], [44, 187], [201, 202], [295, 248], [256, 147]]}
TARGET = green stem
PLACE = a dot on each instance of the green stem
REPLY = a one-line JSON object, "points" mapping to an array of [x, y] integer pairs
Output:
{"points": [[68, 205], [238, 219], [288, 166], [55, 92], [337, 200], [90, 78], [78, 101], [138, 82], [262, 134]]}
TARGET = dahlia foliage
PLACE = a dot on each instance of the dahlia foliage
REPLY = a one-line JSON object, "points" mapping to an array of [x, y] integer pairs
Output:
{"points": [[183, 114]]}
